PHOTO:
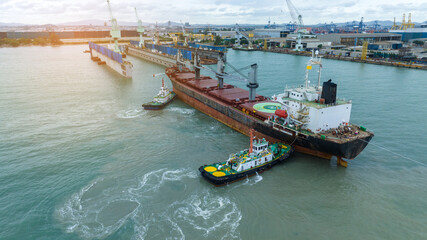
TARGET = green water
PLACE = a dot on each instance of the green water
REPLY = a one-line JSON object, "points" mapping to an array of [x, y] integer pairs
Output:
{"points": [[80, 159]]}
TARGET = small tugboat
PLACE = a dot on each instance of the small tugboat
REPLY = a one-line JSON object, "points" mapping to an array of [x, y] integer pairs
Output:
{"points": [[260, 156], [164, 97]]}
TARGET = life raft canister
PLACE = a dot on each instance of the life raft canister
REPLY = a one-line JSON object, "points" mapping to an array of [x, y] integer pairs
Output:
{"points": [[281, 113]]}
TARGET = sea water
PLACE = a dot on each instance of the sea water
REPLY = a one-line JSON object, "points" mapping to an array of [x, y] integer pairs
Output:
{"points": [[81, 159]]}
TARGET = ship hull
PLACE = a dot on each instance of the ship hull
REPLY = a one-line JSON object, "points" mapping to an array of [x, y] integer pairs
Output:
{"points": [[120, 68], [243, 123], [151, 106]]}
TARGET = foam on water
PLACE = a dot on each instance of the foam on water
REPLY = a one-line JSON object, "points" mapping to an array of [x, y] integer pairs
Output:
{"points": [[97, 215], [186, 111], [101, 208], [130, 113], [209, 213]]}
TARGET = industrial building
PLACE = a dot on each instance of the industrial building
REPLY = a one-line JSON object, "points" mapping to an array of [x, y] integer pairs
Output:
{"points": [[270, 33], [386, 45], [412, 33], [308, 43], [349, 39], [224, 34]]}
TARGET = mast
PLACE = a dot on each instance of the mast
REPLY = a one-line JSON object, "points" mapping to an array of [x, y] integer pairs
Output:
{"points": [[252, 83], [252, 141], [314, 60]]}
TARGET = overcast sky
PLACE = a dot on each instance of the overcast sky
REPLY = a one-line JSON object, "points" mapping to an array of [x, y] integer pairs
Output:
{"points": [[209, 11]]}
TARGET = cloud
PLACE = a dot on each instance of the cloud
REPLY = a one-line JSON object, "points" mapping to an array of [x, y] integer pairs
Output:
{"points": [[209, 11]]}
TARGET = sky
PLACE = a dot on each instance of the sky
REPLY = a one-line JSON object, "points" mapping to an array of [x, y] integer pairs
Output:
{"points": [[209, 11]]}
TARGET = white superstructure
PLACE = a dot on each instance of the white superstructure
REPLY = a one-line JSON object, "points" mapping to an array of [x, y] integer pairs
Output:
{"points": [[164, 94], [259, 155], [314, 108]]}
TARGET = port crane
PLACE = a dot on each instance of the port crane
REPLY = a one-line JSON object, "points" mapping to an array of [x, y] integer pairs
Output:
{"points": [[297, 20], [240, 34], [361, 27], [115, 31], [140, 30]]}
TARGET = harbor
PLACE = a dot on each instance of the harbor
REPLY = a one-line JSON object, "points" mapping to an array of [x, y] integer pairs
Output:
{"points": [[86, 130], [139, 127]]}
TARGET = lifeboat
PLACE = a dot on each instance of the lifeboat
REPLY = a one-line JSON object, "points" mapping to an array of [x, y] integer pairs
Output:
{"points": [[281, 113]]}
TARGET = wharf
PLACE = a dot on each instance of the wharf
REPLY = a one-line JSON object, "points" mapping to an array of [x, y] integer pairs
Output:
{"points": [[158, 58], [351, 59]]}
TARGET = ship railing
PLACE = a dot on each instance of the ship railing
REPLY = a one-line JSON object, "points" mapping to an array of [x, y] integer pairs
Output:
{"points": [[303, 112]]}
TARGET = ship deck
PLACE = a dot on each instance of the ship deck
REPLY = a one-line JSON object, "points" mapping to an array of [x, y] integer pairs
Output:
{"points": [[214, 103], [264, 108], [316, 104]]}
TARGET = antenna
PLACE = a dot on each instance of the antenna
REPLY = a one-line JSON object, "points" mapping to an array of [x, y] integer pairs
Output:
{"points": [[252, 140]]}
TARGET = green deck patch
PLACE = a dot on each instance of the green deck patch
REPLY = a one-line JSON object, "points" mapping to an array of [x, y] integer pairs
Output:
{"points": [[267, 107]]}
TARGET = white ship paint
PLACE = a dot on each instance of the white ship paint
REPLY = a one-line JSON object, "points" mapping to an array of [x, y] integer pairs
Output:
{"points": [[306, 110], [125, 69]]}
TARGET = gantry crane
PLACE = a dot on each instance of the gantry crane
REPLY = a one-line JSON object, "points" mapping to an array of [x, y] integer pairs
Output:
{"points": [[394, 27], [297, 19], [115, 31], [404, 26], [140, 30], [410, 24]]}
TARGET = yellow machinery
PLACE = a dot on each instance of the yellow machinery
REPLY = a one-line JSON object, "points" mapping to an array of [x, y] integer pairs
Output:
{"points": [[364, 50], [394, 27], [405, 25], [410, 24]]}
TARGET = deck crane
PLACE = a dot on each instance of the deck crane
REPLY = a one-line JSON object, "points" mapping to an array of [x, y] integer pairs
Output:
{"points": [[250, 78], [297, 19], [140, 30], [240, 34], [115, 31]]}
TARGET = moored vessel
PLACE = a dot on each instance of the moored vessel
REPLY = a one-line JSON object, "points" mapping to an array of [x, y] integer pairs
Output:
{"points": [[112, 55], [243, 110], [260, 156]]}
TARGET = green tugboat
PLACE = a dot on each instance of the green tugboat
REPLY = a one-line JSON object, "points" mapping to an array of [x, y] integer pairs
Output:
{"points": [[164, 97], [260, 156]]}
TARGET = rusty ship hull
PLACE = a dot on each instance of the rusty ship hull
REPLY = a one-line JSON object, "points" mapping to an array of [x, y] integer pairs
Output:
{"points": [[240, 119]]}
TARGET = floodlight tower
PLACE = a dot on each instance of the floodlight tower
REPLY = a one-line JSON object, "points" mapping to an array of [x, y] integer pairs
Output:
{"points": [[140, 30]]}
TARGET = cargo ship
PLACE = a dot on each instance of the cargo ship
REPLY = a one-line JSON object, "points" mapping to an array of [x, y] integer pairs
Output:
{"points": [[315, 123], [259, 157], [112, 55]]}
